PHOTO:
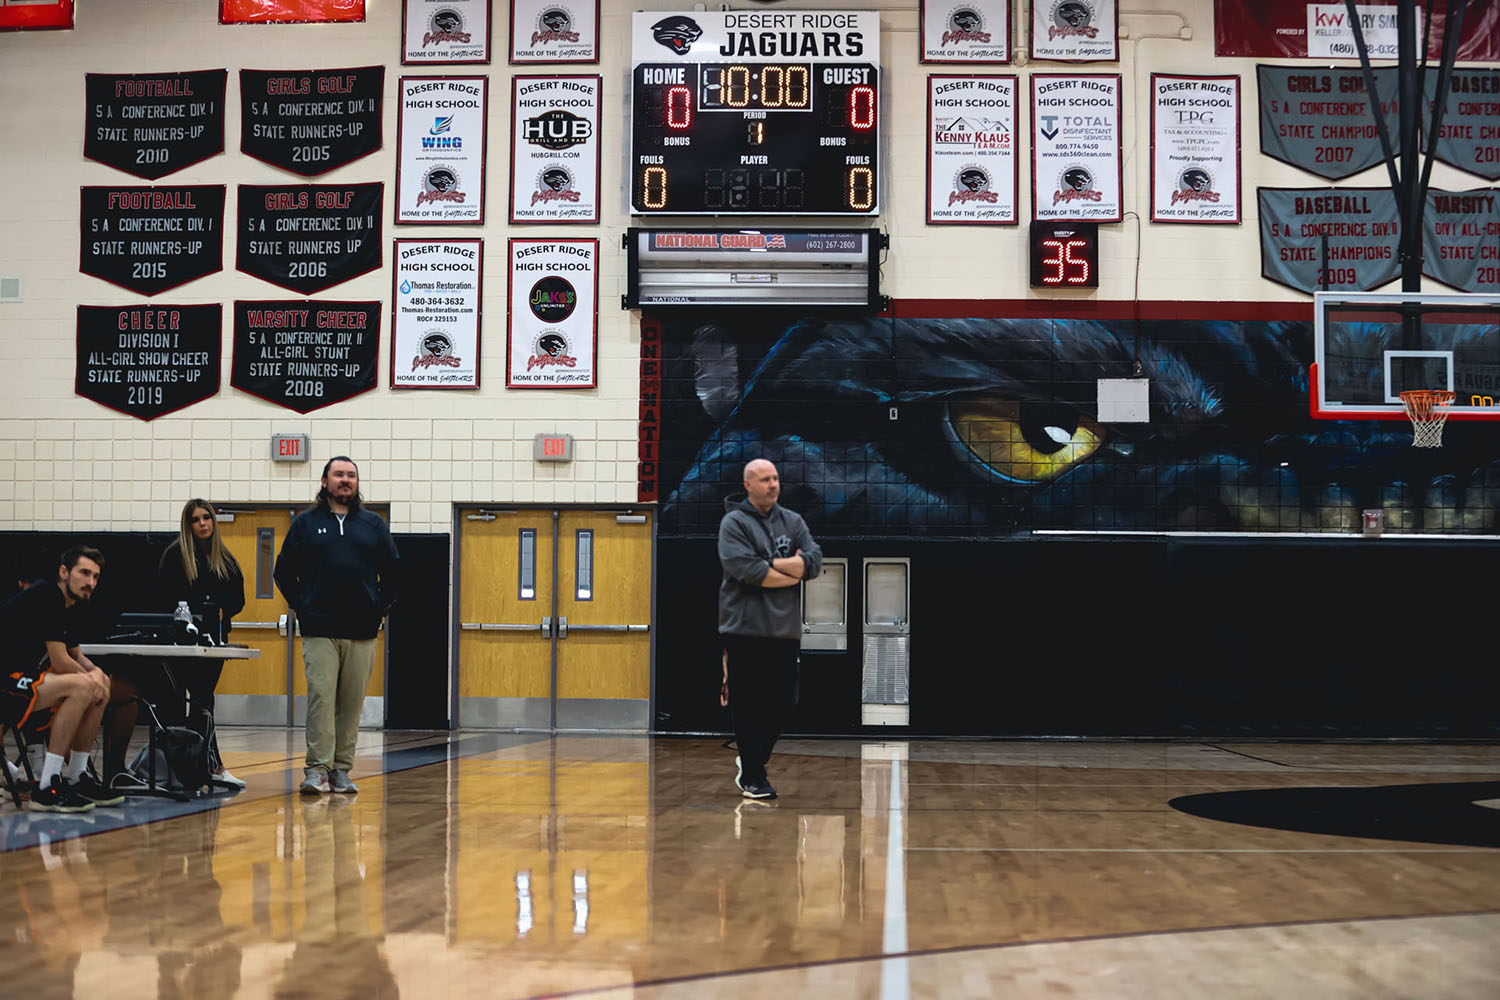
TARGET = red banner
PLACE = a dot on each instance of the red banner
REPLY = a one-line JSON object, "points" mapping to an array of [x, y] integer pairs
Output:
{"points": [[26, 15], [289, 11], [1277, 29]]}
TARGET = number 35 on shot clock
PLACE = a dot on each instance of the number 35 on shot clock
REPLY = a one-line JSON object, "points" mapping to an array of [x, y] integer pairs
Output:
{"points": [[1064, 255]]}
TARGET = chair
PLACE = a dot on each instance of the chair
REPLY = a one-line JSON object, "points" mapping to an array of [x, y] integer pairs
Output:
{"points": [[10, 781]]}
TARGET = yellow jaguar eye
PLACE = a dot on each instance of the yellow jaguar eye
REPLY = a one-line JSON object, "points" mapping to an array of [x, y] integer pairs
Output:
{"points": [[1026, 443]]}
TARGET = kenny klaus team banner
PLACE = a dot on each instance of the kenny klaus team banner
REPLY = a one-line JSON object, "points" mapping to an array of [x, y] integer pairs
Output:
{"points": [[549, 31], [1076, 170], [1195, 148], [310, 121], [1075, 30], [150, 239], [154, 124], [438, 32], [554, 149], [308, 237], [148, 360], [973, 31], [435, 307], [305, 355], [440, 149], [552, 335], [971, 154]]}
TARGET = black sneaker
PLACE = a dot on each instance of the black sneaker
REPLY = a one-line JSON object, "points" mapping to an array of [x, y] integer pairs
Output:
{"points": [[762, 790], [58, 798], [88, 787]]}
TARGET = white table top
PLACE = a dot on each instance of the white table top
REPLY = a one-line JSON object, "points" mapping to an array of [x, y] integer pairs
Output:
{"points": [[174, 652]]}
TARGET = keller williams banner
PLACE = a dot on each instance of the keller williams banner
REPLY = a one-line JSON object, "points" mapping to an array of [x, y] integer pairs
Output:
{"points": [[148, 360], [1075, 30], [977, 31], [971, 155], [153, 124], [289, 11], [435, 308], [308, 237], [32, 14], [449, 32], [1461, 239], [1321, 120], [554, 149], [545, 31], [1361, 228], [1470, 139], [440, 145], [305, 355], [1195, 148], [311, 121], [1304, 29], [552, 335], [1076, 166], [150, 239]]}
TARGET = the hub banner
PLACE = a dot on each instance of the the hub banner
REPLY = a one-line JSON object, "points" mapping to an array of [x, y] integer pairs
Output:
{"points": [[1342, 239], [305, 355], [552, 335], [554, 149], [1076, 168], [311, 121], [1075, 30], [148, 360], [976, 31], [435, 307], [150, 239], [438, 32], [1195, 148], [308, 237], [1321, 119], [1461, 239], [153, 124], [971, 153], [545, 31], [440, 149], [1470, 136]]}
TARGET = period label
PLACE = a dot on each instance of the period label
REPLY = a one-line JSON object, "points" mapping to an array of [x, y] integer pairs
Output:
{"points": [[308, 237], [148, 360], [304, 355], [150, 239], [311, 121], [154, 124]]}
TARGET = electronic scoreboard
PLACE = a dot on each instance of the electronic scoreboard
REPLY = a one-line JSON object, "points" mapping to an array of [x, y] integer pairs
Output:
{"points": [[755, 113]]}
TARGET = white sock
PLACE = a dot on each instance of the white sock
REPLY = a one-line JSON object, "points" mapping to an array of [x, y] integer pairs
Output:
{"points": [[78, 762], [52, 766], [16, 770]]}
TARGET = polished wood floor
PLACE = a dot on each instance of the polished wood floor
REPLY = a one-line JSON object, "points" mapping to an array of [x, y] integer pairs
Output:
{"points": [[503, 865]]}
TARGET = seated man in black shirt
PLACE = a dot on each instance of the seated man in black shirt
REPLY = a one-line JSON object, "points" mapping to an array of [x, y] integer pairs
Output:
{"points": [[47, 672]]}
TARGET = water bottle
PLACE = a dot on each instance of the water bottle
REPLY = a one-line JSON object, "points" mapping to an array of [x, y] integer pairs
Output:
{"points": [[185, 633]]}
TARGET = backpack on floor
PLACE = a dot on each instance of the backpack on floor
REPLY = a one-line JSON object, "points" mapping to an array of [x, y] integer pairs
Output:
{"points": [[182, 761]]}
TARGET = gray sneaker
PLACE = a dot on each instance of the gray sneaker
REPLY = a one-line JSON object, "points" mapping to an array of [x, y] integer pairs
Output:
{"points": [[339, 782], [314, 783]]}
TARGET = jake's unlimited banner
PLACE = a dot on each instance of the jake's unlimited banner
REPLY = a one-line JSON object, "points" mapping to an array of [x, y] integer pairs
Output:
{"points": [[1195, 148], [435, 303], [440, 149], [552, 336]]}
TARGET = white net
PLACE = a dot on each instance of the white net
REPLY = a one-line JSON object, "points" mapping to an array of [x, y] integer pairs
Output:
{"points": [[1428, 411]]}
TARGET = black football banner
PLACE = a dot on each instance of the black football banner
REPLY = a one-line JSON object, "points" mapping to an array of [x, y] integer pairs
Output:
{"points": [[150, 239], [305, 355], [308, 237], [148, 360], [154, 124], [310, 121]]}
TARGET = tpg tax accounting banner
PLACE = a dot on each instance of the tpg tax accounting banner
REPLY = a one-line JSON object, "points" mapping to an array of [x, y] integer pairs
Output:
{"points": [[440, 150], [435, 307], [1195, 148], [552, 335]]}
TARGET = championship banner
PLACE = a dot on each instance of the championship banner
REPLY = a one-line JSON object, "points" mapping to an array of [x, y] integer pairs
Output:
{"points": [[547, 31], [1321, 120], [311, 121], [971, 151], [1361, 227], [29, 15], [1077, 171], [1461, 239], [554, 149], [150, 239], [1195, 148], [148, 360], [440, 149], [153, 124], [1320, 29], [289, 11], [552, 329], [971, 31], [308, 237], [1075, 30], [435, 312], [1470, 138], [449, 32], [304, 355]]}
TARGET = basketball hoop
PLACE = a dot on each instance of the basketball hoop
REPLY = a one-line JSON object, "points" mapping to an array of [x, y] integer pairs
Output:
{"points": [[1428, 411]]}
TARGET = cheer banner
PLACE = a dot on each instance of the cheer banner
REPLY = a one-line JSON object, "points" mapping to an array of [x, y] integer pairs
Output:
{"points": [[1461, 239], [305, 355], [440, 149], [554, 149], [545, 31], [150, 239], [311, 121], [1470, 136], [446, 31], [1321, 120], [153, 124], [971, 152], [1076, 170], [1339, 239], [30, 15], [977, 31], [1075, 30], [552, 331], [1195, 148], [308, 237], [435, 306], [148, 360], [289, 11]]}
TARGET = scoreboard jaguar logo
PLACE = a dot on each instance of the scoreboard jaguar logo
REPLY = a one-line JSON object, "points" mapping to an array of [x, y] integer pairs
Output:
{"points": [[1194, 184], [1072, 19], [440, 183], [445, 25], [1076, 183], [972, 183], [551, 349], [554, 183], [677, 33], [965, 24], [436, 349]]}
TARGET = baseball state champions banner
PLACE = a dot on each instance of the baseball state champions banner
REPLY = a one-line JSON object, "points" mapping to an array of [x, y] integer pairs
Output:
{"points": [[308, 237], [26, 15], [1320, 29], [971, 152], [1076, 168], [435, 306], [1075, 30], [554, 31], [440, 149], [148, 360], [153, 124], [310, 121], [1342, 239], [304, 355], [446, 31], [1470, 137], [552, 335], [554, 149], [965, 31], [1195, 148], [1321, 120]]}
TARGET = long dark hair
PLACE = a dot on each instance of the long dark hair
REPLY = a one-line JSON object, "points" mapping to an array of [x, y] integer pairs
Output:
{"points": [[219, 558], [355, 502]]}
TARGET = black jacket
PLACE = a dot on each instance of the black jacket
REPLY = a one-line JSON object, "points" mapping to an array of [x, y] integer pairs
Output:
{"points": [[226, 594], [340, 578]]}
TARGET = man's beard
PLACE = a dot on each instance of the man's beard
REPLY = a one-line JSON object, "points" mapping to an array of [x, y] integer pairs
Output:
{"points": [[76, 595]]}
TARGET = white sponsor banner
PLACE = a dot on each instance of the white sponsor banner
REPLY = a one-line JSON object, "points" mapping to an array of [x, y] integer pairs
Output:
{"points": [[552, 331], [446, 31], [1195, 148], [1076, 170], [435, 310], [1075, 30], [1330, 34], [554, 31], [554, 149], [971, 150], [440, 149], [967, 31]]}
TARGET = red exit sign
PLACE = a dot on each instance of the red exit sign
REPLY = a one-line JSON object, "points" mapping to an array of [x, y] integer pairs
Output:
{"points": [[553, 448], [289, 447]]}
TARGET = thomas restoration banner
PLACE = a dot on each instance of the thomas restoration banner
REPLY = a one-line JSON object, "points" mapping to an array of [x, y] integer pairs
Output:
{"points": [[305, 355], [1321, 119], [289, 11], [552, 335], [28, 15], [976, 31], [154, 124], [554, 149], [150, 239], [308, 237], [148, 360], [1360, 226], [1320, 29], [1470, 139], [971, 153], [311, 121], [1195, 148], [1075, 30], [440, 149], [1461, 239], [1076, 170], [435, 309], [542, 31]]}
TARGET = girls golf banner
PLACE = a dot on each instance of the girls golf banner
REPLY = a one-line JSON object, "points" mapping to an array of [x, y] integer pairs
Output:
{"points": [[1195, 148], [554, 149], [548, 31], [311, 121], [435, 314], [552, 336], [1076, 171], [969, 31], [440, 149], [308, 237], [971, 153], [1075, 30], [446, 31]]}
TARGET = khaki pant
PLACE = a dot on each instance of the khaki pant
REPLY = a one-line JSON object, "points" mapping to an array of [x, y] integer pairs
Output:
{"points": [[338, 672]]}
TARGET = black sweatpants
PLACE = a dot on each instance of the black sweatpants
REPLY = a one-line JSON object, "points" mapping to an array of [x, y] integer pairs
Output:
{"points": [[763, 682]]}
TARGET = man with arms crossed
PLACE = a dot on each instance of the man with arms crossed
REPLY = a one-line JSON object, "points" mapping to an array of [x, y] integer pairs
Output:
{"points": [[766, 551], [337, 572]]}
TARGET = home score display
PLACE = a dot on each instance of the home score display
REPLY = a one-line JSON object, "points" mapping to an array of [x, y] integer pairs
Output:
{"points": [[755, 113]]}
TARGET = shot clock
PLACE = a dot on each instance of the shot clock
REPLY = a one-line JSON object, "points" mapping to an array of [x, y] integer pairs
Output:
{"points": [[1064, 254], [755, 113]]}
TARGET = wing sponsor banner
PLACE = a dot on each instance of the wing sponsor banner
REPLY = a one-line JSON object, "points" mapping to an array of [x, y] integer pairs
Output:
{"points": [[964, 31], [153, 124], [1361, 228], [1281, 29], [971, 150], [289, 11], [1461, 239], [1075, 30], [1321, 120], [305, 355], [1195, 148], [554, 149], [30, 15], [311, 121], [552, 330], [148, 360], [150, 239], [435, 313], [308, 237], [440, 149], [437, 32], [554, 31], [1076, 168], [1470, 137]]}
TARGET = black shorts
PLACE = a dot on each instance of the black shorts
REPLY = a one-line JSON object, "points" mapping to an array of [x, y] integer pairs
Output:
{"points": [[18, 698]]}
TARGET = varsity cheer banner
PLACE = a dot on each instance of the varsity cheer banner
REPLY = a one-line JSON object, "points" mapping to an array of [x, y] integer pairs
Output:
{"points": [[971, 150], [153, 124], [1320, 29], [1195, 148], [150, 239], [1076, 170], [1340, 239], [552, 330], [1321, 120], [148, 360], [1075, 30], [289, 11], [305, 355], [308, 237], [1461, 239], [311, 121], [435, 307], [977, 31], [1470, 136], [440, 149], [446, 31], [554, 149], [545, 31], [29, 15]]}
